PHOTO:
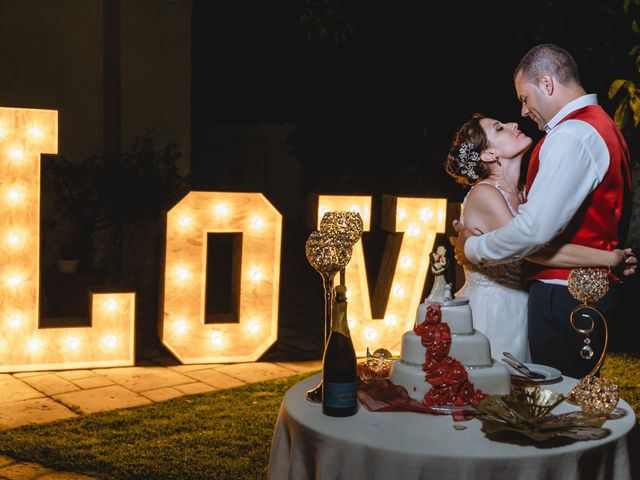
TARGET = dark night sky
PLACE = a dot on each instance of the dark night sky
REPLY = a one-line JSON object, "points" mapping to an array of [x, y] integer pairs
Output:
{"points": [[402, 82], [252, 60]]}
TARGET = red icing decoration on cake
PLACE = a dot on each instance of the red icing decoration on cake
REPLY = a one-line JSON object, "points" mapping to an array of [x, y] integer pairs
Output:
{"points": [[449, 380]]}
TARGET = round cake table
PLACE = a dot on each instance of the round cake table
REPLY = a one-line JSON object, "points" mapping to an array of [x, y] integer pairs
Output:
{"points": [[405, 445]]}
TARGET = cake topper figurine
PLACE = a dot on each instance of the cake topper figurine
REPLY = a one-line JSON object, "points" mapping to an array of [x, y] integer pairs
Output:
{"points": [[441, 290]]}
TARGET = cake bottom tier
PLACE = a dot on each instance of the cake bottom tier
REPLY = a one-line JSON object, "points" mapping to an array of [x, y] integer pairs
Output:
{"points": [[493, 380]]}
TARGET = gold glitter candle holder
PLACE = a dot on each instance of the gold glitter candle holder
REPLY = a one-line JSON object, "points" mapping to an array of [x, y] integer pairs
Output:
{"points": [[347, 223], [328, 253], [596, 396], [588, 285]]}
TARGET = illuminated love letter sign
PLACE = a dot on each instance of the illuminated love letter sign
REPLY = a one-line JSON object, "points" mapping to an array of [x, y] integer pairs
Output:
{"points": [[109, 341], [413, 224], [182, 327]]}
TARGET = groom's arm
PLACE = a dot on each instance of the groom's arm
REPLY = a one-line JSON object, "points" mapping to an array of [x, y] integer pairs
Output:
{"points": [[570, 169]]}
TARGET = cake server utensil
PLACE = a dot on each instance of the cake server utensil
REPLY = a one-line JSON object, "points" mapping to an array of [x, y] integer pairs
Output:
{"points": [[521, 367], [524, 372]]}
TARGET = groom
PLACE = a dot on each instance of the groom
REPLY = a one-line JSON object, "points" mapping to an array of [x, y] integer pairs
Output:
{"points": [[579, 191]]}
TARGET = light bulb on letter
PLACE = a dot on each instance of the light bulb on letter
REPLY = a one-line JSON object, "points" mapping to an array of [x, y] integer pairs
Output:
{"points": [[35, 132], [185, 221], [253, 326], [109, 341], [110, 305], [15, 321], [182, 274], [222, 210], [370, 334], [14, 195], [406, 261], [13, 239], [73, 343], [257, 222], [390, 320], [16, 154], [216, 339]]}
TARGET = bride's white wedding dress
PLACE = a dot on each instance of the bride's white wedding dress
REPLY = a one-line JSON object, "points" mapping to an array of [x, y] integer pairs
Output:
{"points": [[498, 301]]}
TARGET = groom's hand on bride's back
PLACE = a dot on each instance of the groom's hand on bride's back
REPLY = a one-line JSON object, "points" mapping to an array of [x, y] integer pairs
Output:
{"points": [[627, 263], [458, 241]]}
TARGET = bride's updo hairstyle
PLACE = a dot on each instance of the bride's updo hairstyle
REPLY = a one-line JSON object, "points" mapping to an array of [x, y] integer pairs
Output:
{"points": [[463, 162]]}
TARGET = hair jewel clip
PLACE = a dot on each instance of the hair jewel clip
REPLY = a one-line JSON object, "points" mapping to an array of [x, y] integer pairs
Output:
{"points": [[469, 158]]}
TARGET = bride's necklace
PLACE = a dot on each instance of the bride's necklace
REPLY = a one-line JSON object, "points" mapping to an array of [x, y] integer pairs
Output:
{"points": [[514, 199], [499, 186]]}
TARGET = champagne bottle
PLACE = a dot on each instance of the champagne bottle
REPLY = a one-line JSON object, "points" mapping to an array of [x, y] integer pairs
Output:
{"points": [[339, 365]]}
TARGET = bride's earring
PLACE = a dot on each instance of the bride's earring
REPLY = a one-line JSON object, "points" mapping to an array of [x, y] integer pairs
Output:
{"points": [[498, 161]]}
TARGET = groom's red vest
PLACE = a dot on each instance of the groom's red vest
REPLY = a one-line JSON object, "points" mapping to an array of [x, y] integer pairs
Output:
{"points": [[603, 218]]}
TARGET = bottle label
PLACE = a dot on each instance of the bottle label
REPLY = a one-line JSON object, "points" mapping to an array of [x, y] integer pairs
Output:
{"points": [[341, 395]]}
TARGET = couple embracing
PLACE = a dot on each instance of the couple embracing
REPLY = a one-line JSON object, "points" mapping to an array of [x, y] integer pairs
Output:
{"points": [[518, 243]]}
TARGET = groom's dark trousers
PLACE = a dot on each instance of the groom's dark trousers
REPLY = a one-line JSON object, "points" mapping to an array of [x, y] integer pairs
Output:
{"points": [[552, 339]]}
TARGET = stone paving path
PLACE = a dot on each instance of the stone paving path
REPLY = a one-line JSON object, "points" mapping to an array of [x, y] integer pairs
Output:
{"points": [[39, 397]]}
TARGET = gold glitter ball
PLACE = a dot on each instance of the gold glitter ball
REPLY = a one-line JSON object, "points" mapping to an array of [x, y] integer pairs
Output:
{"points": [[588, 285], [328, 253], [596, 396], [349, 223]]}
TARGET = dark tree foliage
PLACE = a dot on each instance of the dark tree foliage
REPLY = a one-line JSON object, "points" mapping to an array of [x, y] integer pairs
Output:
{"points": [[377, 99]]}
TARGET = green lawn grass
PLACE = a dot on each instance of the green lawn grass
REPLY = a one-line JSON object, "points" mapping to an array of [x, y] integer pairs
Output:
{"points": [[219, 435], [624, 370]]}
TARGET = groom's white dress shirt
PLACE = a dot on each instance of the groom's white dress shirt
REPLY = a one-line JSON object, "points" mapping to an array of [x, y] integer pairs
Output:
{"points": [[573, 161]]}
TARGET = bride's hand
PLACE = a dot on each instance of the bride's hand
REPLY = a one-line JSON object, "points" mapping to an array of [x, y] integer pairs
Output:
{"points": [[625, 263], [457, 242]]}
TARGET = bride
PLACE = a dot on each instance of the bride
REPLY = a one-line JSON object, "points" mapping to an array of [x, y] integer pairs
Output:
{"points": [[486, 155]]}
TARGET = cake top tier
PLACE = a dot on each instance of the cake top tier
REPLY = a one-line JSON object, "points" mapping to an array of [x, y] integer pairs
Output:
{"points": [[455, 312], [448, 303]]}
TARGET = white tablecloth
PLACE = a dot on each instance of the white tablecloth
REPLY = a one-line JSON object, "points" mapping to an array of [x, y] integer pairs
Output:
{"points": [[405, 445]]}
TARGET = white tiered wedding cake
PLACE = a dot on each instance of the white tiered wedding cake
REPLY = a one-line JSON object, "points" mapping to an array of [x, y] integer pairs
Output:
{"points": [[444, 361]]}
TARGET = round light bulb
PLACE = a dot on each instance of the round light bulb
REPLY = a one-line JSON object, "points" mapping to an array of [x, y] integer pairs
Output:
{"points": [[370, 334], [110, 341], [15, 321], [426, 214], [14, 195], [257, 222], [406, 261], [16, 154], [35, 132], [255, 275], [14, 280], [13, 239], [216, 339], [180, 326], [221, 210], [390, 320], [111, 305], [322, 210], [185, 221], [182, 274], [253, 327], [73, 343], [413, 230]]}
